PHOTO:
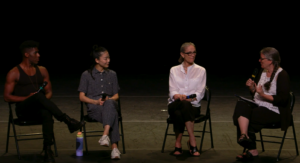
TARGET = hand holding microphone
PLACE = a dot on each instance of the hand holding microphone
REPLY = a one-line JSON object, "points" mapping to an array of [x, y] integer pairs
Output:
{"points": [[250, 82], [42, 86]]}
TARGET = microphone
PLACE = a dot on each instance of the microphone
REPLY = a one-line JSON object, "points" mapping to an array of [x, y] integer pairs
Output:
{"points": [[191, 96], [42, 86], [104, 96], [254, 73]]}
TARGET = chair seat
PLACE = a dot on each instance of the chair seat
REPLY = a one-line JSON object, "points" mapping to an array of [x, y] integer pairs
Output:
{"points": [[198, 119], [21, 122], [89, 119], [272, 126]]}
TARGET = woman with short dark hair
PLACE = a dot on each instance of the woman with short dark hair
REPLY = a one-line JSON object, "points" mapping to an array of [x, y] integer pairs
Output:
{"points": [[95, 83]]}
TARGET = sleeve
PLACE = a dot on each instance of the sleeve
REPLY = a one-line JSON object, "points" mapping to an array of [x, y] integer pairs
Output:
{"points": [[116, 87], [282, 89], [200, 90], [173, 87], [83, 85]]}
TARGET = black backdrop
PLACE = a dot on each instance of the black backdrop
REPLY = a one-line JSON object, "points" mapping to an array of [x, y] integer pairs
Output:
{"points": [[145, 39]]}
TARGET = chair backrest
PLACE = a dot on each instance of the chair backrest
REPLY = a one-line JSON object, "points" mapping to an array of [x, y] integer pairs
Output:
{"points": [[292, 97], [207, 97]]}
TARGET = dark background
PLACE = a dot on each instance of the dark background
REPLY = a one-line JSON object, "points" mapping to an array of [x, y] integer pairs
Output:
{"points": [[145, 38]]}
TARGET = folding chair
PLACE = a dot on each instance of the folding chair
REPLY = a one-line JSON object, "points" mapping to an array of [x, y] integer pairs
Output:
{"points": [[19, 122], [199, 119], [277, 126], [88, 119]]}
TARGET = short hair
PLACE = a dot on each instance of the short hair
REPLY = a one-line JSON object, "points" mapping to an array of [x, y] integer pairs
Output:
{"points": [[96, 53], [182, 49], [28, 44]]}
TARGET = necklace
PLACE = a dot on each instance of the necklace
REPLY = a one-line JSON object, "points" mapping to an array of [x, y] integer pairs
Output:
{"points": [[36, 87]]}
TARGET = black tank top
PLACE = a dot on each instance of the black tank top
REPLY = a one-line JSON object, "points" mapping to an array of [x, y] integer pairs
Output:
{"points": [[28, 84]]}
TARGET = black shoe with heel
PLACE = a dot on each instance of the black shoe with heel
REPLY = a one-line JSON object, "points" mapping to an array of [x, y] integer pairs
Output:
{"points": [[244, 141], [177, 150], [247, 157], [193, 149], [48, 156]]}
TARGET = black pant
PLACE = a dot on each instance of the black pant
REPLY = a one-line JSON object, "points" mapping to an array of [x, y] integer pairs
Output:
{"points": [[181, 112], [258, 118], [38, 107]]}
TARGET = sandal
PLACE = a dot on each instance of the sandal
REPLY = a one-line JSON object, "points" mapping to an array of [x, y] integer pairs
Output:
{"points": [[244, 141], [177, 150], [193, 149], [247, 156]]}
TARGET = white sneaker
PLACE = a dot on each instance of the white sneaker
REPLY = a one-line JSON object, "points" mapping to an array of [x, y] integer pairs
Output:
{"points": [[115, 154], [104, 140]]}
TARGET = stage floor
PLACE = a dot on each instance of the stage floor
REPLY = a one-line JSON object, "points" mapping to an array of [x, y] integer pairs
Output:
{"points": [[144, 101]]}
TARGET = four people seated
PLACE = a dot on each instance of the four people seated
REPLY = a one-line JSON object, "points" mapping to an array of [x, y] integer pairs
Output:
{"points": [[99, 88]]}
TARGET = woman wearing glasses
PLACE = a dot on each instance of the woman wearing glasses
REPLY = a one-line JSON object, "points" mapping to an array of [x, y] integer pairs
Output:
{"points": [[270, 90], [94, 84], [186, 79]]}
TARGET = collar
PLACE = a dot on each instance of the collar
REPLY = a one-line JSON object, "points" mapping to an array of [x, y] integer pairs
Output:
{"points": [[182, 68], [95, 71]]}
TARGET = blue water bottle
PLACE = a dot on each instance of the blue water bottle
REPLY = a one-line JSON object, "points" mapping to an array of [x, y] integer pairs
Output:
{"points": [[79, 144]]}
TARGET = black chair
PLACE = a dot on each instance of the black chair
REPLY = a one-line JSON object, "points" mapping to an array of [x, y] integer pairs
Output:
{"points": [[201, 118], [88, 119], [277, 126], [19, 122]]}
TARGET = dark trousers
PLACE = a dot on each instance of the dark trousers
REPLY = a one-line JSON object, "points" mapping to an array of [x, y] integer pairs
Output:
{"points": [[181, 112], [258, 118], [38, 107]]}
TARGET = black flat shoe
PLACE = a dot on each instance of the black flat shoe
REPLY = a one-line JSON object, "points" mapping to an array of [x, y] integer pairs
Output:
{"points": [[179, 150], [244, 141], [247, 156], [193, 149]]}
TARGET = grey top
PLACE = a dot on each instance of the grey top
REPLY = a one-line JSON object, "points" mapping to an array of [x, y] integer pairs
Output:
{"points": [[104, 82]]}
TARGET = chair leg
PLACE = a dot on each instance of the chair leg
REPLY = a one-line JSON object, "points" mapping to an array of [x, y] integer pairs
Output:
{"points": [[163, 146], [294, 133], [122, 132], [8, 133], [261, 141], [211, 134], [16, 140], [281, 144], [203, 132], [85, 141], [55, 148]]}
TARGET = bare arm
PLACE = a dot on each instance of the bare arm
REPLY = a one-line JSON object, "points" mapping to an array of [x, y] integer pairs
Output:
{"points": [[115, 97], [46, 78], [85, 99], [11, 80], [260, 91]]}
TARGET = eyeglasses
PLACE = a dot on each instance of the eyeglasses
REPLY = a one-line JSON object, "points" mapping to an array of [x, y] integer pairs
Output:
{"points": [[190, 53], [262, 58]]}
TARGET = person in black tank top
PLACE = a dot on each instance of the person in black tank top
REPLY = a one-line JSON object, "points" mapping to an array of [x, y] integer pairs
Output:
{"points": [[21, 86]]}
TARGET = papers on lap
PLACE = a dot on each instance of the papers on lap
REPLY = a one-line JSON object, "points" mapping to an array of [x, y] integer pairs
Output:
{"points": [[247, 100]]}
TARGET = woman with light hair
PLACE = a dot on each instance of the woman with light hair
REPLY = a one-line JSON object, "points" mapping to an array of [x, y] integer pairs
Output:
{"points": [[185, 79]]}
